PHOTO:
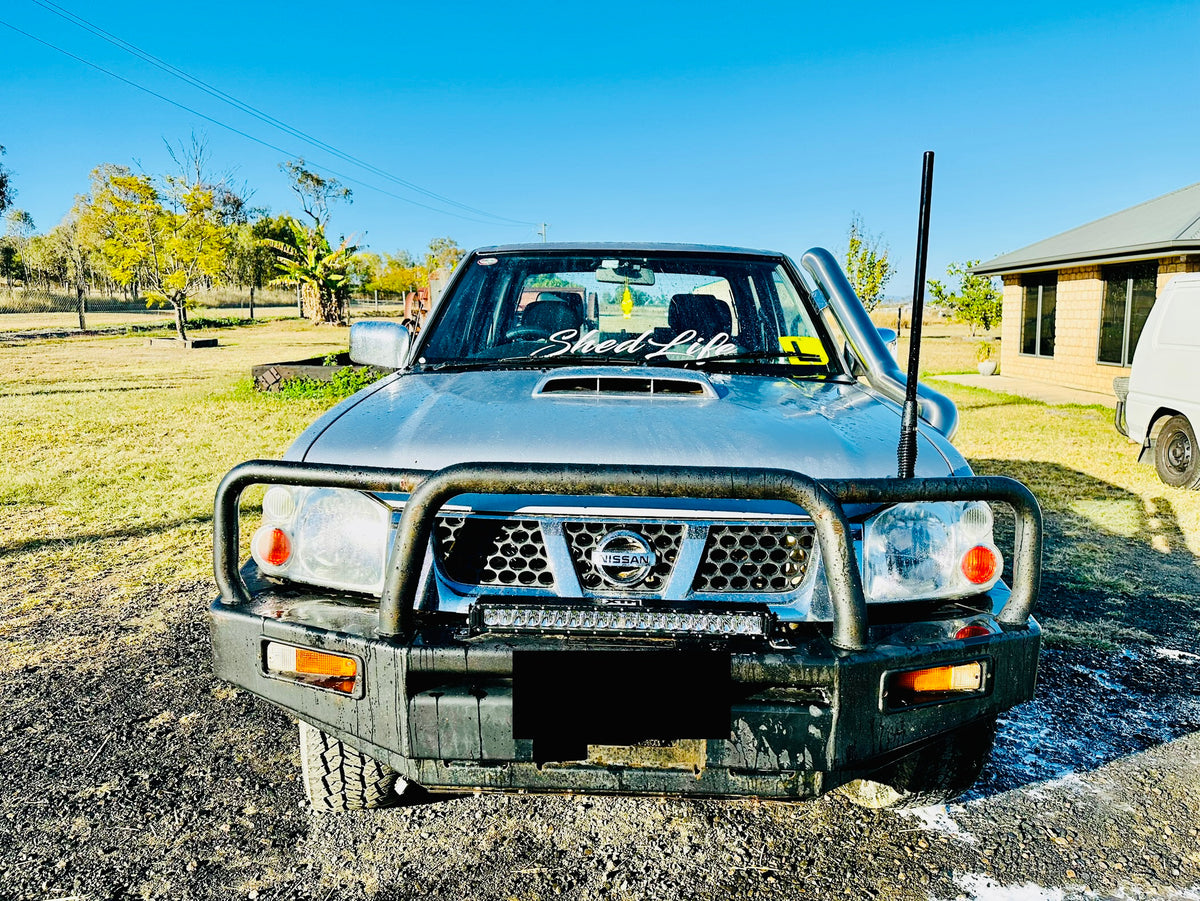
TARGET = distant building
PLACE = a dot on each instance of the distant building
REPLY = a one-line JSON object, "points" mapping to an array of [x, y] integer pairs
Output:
{"points": [[1075, 304]]}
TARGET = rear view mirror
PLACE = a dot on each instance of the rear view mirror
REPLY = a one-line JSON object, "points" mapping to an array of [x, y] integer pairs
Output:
{"points": [[624, 273], [380, 343]]}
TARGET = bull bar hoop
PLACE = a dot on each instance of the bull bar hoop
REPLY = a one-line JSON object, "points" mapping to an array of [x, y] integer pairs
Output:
{"points": [[821, 500]]}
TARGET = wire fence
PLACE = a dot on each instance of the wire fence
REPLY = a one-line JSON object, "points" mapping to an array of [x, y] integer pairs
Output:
{"points": [[35, 310]]}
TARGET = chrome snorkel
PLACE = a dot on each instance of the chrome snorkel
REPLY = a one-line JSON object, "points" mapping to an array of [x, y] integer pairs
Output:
{"points": [[880, 367]]}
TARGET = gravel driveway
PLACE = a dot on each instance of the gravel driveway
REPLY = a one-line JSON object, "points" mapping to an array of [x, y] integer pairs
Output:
{"points": [[128, 772]]}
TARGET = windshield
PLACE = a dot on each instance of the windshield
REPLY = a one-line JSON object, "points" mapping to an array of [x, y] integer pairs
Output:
{"points": [[648, 309]]}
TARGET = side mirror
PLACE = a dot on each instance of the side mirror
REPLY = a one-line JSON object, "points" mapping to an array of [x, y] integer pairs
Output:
{"points": [[890, 338], [377, 342]]}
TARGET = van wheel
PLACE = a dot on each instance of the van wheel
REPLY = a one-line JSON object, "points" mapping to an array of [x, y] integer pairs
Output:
{"points": [[939, 772], [1176, 456], [339, 777]]}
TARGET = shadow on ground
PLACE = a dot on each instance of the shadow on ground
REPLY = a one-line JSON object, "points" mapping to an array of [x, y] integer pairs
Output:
{"points": [[79, 538], [1119, 671]]}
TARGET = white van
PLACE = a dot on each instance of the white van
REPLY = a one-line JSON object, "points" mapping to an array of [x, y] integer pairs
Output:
{"points": [[1162, 408]]}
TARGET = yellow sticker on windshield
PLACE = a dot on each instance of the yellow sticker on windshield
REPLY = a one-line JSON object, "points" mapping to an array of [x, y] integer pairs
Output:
{"points": [[807, 348]]}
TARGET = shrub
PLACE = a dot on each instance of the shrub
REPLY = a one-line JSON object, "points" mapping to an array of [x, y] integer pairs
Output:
{"points": [[344, 382]]}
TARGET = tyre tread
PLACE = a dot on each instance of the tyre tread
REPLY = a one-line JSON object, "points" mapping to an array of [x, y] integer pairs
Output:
{"points": [[935, 774], [1169, 476], [339, 777]]}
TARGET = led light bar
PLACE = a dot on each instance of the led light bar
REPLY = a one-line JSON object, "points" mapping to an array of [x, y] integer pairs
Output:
{"points": [[601, 620]]}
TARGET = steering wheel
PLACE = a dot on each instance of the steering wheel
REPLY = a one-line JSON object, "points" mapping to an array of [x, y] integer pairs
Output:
{"points": [[526, 333]]}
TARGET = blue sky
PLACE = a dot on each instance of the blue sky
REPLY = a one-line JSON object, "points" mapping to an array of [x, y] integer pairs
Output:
{"points": [[757, 124]]}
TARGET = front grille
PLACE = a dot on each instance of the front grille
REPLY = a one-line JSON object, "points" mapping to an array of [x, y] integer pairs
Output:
{"points": [[499, 552], [583, 537], [754, 557], [480, 550]]}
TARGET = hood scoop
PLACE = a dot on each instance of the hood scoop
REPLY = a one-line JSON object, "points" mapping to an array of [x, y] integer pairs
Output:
{"points": [[623, 382]]}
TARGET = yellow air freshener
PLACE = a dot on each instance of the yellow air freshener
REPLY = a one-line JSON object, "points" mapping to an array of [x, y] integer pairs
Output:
{"points": [[627, 303]]}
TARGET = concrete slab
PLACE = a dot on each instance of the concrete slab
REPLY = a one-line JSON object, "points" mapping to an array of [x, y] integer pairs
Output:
{"points": [[187, 343], [1056, 395]]}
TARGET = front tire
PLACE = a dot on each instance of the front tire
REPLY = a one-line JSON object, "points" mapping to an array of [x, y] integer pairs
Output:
{"points": [[339, 777], [1176, 456], [937, 773]]}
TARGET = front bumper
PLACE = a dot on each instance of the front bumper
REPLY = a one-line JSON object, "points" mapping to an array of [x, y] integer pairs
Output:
{"points": [[800, 720], [786, 717]]}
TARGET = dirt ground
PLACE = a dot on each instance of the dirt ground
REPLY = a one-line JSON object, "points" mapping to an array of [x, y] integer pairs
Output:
{"points": [[127, 771]]}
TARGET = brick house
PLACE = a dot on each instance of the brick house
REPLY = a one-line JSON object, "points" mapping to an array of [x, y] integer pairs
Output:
{"points": [[1075, 303]]}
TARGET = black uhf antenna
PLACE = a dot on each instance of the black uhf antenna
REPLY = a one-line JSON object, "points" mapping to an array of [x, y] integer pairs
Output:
{"points": [[906, 454]]}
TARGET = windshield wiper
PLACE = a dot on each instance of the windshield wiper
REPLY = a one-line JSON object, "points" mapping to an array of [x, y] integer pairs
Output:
{"points": [[527, 362], [447, 365], [757, 357], [578, 360]]}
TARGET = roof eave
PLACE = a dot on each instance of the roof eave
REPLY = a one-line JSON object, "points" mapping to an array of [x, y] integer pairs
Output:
{"points": [[1131, 253]]}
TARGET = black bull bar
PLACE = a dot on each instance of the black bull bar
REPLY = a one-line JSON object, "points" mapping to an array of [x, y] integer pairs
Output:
{"points": [[821, 500]]}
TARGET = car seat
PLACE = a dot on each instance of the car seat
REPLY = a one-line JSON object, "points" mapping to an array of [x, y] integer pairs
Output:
{"points": [[705, 314]]}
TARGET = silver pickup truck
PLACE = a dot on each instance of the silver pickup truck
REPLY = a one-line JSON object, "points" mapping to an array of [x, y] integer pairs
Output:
{"points": [[625, 519]]}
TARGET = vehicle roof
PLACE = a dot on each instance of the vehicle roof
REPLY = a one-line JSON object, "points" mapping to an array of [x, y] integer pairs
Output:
{"points": [[629, 247]]}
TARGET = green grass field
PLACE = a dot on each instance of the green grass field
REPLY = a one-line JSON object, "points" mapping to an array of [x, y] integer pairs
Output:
{"points": [[113, 450]]}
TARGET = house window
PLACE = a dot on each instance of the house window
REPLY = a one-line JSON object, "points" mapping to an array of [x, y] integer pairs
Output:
{"points": [[1128, 296], [1039, 293]]}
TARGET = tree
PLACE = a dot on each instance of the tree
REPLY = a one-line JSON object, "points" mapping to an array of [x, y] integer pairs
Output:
{"points": [[323, 273], [7, 192], [251, 262], [43, 262], [76, 253], [364, 270], [443, 253], [978, 301], [170, 236], [867, 265], [398, 274], [316, 191], [19, 228]]}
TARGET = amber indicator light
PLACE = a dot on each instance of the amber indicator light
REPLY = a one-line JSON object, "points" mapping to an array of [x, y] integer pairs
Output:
{"points": [[316, 668], [277, 548], [979, 565], [319, 664], [963, 677]]}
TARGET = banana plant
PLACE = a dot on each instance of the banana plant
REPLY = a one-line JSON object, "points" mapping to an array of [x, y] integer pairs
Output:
{"points": [[321, 271]]}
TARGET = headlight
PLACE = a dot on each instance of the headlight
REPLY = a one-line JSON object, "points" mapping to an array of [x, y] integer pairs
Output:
{"points": [[324, 536], [929, 551]]}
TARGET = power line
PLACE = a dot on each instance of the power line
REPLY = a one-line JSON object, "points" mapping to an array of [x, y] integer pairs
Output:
{"points": [[244, 134], [247, 108]]}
